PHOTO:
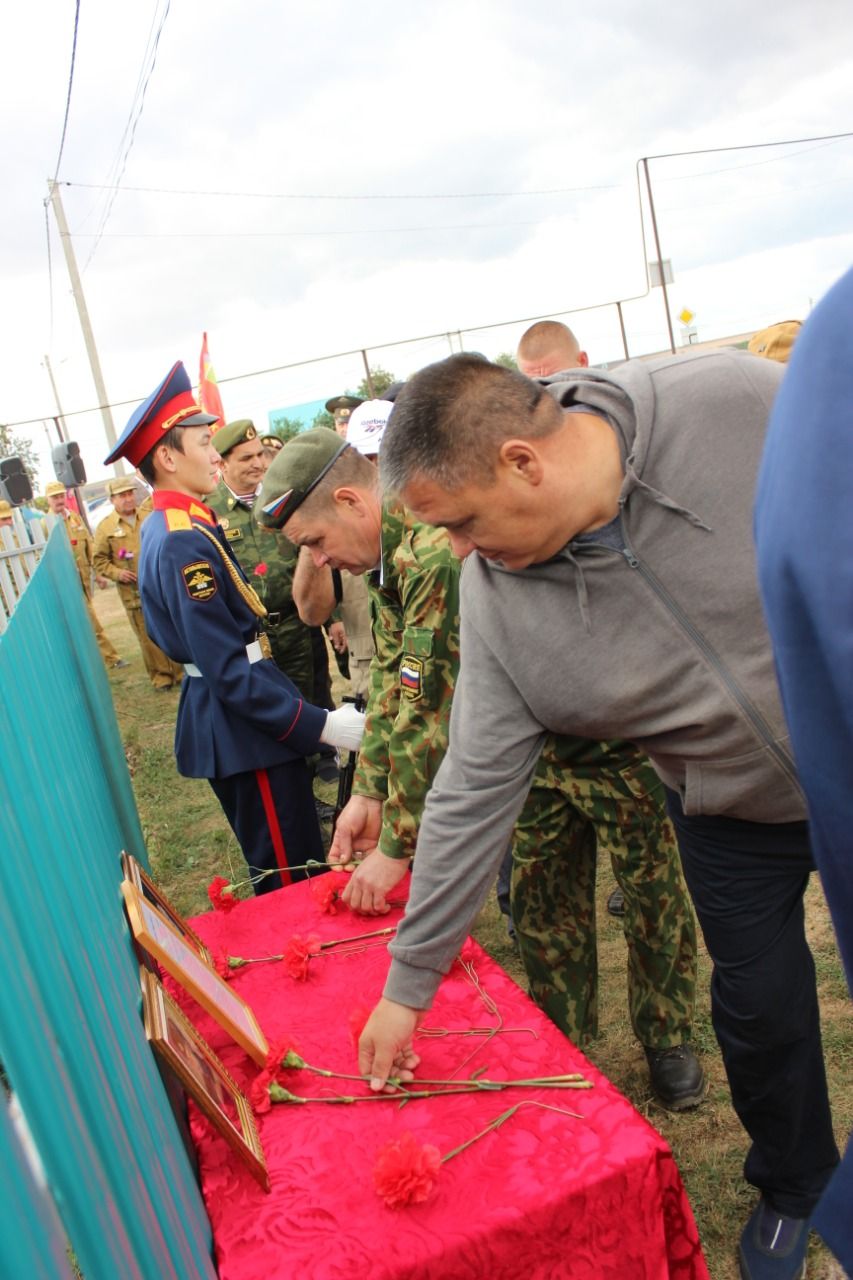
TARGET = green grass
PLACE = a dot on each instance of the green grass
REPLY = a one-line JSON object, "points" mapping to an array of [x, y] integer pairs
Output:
{"points": [[189, 842]]}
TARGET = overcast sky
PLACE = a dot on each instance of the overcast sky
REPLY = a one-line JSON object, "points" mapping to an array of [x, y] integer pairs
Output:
{"points": [[308, 179]]}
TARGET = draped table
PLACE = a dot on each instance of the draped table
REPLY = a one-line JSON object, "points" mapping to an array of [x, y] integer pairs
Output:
{"points": [[547, 1195]]}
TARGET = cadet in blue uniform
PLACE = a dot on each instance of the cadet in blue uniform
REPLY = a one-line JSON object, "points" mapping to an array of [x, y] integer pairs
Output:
{"points": [[242, 723]]}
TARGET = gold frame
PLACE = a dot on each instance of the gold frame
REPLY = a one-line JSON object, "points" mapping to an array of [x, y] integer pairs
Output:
{"points": [[138, 876], [157, 936], [202, 1074]]}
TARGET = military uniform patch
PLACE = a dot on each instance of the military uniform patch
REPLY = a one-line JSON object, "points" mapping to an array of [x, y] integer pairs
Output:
{"points": [[199, 580], [233, 535], [411, 677]]}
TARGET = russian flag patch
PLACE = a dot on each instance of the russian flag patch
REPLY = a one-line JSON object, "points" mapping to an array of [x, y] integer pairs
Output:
{"points": [[411, 677]]}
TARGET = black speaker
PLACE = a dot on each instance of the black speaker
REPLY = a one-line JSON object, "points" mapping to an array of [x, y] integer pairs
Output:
{"points": [[15, 481], [68, 465]]}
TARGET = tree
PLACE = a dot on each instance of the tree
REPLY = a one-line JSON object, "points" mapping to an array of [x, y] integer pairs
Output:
{"points": [[507, 360], [14, 446], [286, 428], [324, 419], [381, 379]]}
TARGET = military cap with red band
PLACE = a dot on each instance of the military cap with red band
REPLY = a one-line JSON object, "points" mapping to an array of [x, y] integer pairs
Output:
{"points": [[171, 405]]}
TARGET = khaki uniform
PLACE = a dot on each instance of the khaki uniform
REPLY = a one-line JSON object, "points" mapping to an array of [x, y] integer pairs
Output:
{"points": [[117, 548], [81, 545], [354, 613], [253, 545], [584, 794]]}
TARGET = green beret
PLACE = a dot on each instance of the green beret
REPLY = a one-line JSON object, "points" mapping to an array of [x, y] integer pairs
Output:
{"points": [[232, 434], [294, 471]]}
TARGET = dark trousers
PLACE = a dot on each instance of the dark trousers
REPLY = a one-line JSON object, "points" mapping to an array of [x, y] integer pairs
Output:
{"points": [[747, 880], [272, 814]]}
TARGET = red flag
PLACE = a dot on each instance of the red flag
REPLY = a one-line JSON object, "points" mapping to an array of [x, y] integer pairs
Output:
{"points": [[208, 391]]}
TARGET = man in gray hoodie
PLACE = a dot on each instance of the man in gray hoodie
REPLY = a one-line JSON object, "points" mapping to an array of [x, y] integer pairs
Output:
{"points": [[613, 593]]}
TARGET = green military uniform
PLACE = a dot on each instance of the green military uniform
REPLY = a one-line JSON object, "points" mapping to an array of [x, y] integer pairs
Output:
{"points": [[582, 793], [116, 549], [585, 792], [268, 560], [414, 603], [81, 546]]}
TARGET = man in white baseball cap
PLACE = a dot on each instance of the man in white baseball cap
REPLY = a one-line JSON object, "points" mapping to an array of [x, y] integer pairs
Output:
{"points": [[367, 426]]}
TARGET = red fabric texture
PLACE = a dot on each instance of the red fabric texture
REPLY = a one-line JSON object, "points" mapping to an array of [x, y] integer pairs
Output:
{"points": [[546, 1196]]}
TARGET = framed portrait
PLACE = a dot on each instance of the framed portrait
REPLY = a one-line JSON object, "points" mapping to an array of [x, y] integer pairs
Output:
{"points": [[153, 893], [159, 938], [202, 1074]]}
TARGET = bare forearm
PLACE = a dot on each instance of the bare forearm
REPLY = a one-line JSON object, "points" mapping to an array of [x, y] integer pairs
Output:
{"points": [[313, 591]]}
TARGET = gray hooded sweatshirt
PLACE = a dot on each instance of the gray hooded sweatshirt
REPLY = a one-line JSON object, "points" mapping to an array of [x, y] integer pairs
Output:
{"points": [[662, 643]]}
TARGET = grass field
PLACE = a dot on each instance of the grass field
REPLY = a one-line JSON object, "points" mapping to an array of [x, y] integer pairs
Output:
{"points": [[189, 842]]}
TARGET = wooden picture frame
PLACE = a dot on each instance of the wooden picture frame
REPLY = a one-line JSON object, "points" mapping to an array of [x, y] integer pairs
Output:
{"points": [[138, 876], [202, 1074], [159, 938]]}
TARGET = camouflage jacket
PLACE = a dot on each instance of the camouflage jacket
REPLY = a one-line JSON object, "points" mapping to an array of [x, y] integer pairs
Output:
{"points": [[414, 601], [258, 548]]}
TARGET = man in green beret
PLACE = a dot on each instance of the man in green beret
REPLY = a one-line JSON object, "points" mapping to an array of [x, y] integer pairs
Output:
{"points": [[116, 556], [268, 561], [326, 497]]}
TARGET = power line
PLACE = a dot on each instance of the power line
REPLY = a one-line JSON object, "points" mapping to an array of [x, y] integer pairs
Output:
{"points": [[129, 134], [347, 231], [68, 95], [288, 195]]}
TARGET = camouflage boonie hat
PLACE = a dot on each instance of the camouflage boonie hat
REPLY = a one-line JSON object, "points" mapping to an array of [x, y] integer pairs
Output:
{"points": [[232, 434], [294, 472]]}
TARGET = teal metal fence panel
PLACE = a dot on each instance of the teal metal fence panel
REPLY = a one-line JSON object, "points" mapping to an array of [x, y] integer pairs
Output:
{"points": [[71, 1038], [31, 1243]]}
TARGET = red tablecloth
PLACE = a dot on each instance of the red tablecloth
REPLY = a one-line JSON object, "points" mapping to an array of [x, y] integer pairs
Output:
{"points": [[546, 1196]]}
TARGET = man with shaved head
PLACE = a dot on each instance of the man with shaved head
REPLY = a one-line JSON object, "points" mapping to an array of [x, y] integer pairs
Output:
{"points": [[548, 347]]}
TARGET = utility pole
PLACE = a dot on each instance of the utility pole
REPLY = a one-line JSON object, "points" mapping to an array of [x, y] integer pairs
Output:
{"points": [[83, 313], [660, 256], [59, 417], [368, 375]]}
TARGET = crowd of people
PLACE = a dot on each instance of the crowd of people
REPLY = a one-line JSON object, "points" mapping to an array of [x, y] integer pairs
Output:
{"points": [[546, 586]]}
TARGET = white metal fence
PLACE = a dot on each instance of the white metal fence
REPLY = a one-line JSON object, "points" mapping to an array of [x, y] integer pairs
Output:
{"points": [[21, 547]]}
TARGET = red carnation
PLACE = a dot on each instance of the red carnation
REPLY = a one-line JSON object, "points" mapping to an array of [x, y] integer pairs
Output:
{"points": [[405, 1171], [326, 890], [297, 955], [223, 968], [261, 569], [221, 894], [259, 1092]]}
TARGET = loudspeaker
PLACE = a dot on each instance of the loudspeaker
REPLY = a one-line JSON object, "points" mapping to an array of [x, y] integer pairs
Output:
{"points": [[68, 465], [15, 481]]}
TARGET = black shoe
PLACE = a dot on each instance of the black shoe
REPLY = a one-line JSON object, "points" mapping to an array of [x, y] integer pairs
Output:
{"points": [[773, 1246], [678, 1081], [616, 903]]}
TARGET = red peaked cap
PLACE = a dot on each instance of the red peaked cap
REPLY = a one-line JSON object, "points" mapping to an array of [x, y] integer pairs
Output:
{"points": [[171, 405]]}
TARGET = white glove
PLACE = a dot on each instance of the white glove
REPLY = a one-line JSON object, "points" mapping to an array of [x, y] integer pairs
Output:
{"points": [[343, 728]]}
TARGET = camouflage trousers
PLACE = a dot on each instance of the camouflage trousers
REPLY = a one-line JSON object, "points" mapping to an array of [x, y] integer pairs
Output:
{"points": [[602, 794]]}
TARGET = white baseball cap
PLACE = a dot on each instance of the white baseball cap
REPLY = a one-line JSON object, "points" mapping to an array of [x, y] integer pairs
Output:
{"points": [[366, 426]]}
